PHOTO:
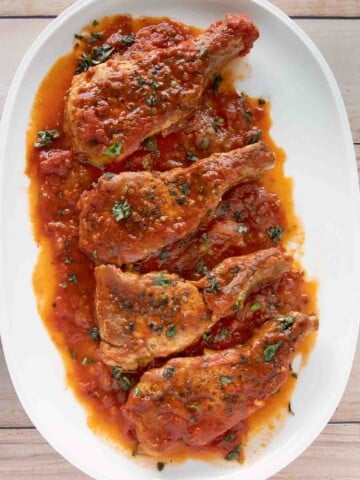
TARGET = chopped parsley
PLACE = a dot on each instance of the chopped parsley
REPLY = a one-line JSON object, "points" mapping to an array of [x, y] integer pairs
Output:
{"points": [[126, 39], [94, 333], [200, 266], [270, 351], [185, 188], [87, 360], [98, 55], [221, 335], [168, 372], [241, 229], [233, 454], [275, 233], [230, 437], [239, 299], [46, 138], [113, 150], [286, 322], [225, 379], [171, 331], [214, 286], [191, 157], [216, 83], [254, 138], [116, 372], [95, 23], [121, 210], [248, 116], [72, 278], [125, 383], [164, 254], [194, 406], [161, 281], [255, 307], [94, 37], [150, 144], [205, 143], [216, 123], [151, 100], [137, 392]]}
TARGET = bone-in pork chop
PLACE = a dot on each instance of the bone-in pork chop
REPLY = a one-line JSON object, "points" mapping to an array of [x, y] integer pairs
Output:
{"points": [[112, 107], [193, 400], [133, 214], [142, 317]]}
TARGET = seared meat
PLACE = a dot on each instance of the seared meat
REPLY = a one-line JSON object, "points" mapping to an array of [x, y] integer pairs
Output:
{"points": [[126, 99], [131, 215], [146, 316], [193, 400], [142, 317], [233, 230]]}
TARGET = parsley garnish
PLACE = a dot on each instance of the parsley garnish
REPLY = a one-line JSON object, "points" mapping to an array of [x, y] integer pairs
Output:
{"points": [[46, 138], [275, 233], [94, 333], [254, 138], [225, 379], [205, 143], [216, 83], [150, 144], [216, 123], [195, 406], [286, 322], [233, 454], [151, 100], [171, 331], [255, 307], [248, 116], [270, 351], [161, 281], [241, 229], [72, 278], [168, 372], [86, 361], [191, 157], [229, 438], [113, 150], [121, 210], [126, 39]]}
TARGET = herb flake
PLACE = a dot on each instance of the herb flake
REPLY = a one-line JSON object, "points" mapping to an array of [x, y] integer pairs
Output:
{"points": [[46, 138], [121, 210], [270, 351]]}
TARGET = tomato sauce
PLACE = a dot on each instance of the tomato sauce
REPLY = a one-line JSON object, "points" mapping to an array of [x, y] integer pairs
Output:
{"points": [[63, 278]]}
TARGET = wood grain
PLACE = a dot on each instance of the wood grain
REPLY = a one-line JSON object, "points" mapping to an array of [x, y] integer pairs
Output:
{"points": [[24, 454], [313, 8]]}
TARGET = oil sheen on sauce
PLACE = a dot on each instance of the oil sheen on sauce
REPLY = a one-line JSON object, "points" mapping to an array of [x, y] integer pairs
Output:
{"points": [[63, 278]]}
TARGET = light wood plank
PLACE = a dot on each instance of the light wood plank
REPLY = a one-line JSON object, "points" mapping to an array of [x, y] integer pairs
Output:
{"points": [[11, 412], [25, 455], [334, 455], [339, 40], [343, 8]]}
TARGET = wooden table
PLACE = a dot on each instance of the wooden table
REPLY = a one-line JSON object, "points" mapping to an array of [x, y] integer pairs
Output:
{"points": [[334, 25]]}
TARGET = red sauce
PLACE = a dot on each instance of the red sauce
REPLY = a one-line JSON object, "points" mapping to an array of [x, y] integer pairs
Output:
{"points": [[63, 278]]}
